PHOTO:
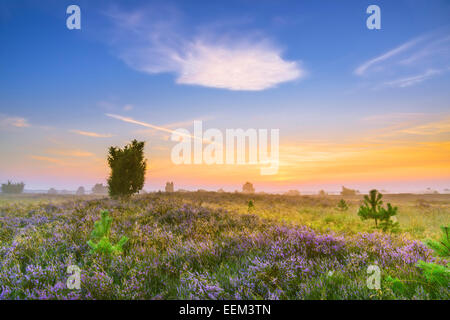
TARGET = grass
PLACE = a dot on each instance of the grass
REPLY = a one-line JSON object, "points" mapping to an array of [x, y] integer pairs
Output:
{"points": [[204, 245]]}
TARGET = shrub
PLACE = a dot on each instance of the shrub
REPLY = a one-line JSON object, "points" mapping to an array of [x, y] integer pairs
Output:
{"points": [[52, 191], [250, 206], [127, 169], [11, 187], [433, 272], [342, 205], [100, 242], [372, 209]]}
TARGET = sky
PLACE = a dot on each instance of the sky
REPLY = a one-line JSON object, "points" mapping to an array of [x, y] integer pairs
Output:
{"points": [[354, 106]]}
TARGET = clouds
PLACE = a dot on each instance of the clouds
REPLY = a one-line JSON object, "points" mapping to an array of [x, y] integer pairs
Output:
{"points": [[91, 134], [16, 122], [235, 62], [410, 63]]}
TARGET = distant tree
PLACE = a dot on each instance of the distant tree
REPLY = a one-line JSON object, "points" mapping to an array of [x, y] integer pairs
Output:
{"points": [[99, 188], [248, 188], [292, 193], [80, 191], [372, 209], [11, 187], [348, 192], [128, 167], [169, 187], [220, 190], [322, 193], [52, 191]]}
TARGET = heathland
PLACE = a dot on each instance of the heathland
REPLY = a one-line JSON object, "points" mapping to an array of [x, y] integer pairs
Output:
{"points": [[208, 245]]}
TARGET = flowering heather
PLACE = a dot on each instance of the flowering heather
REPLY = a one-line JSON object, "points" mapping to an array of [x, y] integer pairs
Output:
{"points": [[184, 251]]}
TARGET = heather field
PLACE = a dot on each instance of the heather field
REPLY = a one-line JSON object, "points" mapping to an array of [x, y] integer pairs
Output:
{"points": [[207, 245]]}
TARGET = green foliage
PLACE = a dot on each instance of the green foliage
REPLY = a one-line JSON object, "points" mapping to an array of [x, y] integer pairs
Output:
{"points": [[441, 247], [100, 242], [434, 272], [127, 169], [342, 205], [11, 187], [372, 209], [250, 206]]}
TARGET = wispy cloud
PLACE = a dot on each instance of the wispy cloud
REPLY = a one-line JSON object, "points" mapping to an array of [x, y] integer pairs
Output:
{"points": [[17, 122], [92, 134], [236, 62], [410, 63], [73, 153]]}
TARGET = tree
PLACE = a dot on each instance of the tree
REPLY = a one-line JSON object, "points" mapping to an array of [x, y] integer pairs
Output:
{"points": [[80, 191], [99, 188], [322, 194], [11, 187], [292, 193], [128, 167], [372, 209], [52, 191], [169, 187], [248, 188]]}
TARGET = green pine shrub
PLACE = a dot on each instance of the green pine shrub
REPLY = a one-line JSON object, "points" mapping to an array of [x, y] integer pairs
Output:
{"points": [[100, 242]]}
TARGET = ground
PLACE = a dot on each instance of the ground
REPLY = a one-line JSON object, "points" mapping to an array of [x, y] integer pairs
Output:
{"points": [[212, 245]]}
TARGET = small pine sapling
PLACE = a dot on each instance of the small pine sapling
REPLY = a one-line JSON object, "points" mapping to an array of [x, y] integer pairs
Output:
{"points": [[342, 205], [372, 209], [100, 242], [251, 206]]}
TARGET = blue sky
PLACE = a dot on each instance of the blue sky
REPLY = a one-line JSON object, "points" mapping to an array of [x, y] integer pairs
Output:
{"points": [[310, 68]]}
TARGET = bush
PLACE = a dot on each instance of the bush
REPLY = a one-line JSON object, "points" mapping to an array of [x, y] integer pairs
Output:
{"points": [[10, 187], [127, 169], [100, 242], [342, 205]]}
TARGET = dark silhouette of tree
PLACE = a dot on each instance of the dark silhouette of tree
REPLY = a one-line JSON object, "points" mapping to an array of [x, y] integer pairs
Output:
{"points": [[169, 187], [11, 187], [248, 188], [80, 191], [127, 169]]}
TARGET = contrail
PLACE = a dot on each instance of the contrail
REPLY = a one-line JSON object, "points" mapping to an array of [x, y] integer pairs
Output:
{"points": [[148, 125]]}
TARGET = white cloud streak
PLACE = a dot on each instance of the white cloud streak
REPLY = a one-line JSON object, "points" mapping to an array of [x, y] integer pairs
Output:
{"points": [[92, 134], [410, 63]]}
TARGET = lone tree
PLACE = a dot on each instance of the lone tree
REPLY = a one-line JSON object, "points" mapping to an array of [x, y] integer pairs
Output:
{"points": [[248, 188], [11, 187], [127, 169], [80, 191], [372, 209], [169, 187]]}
